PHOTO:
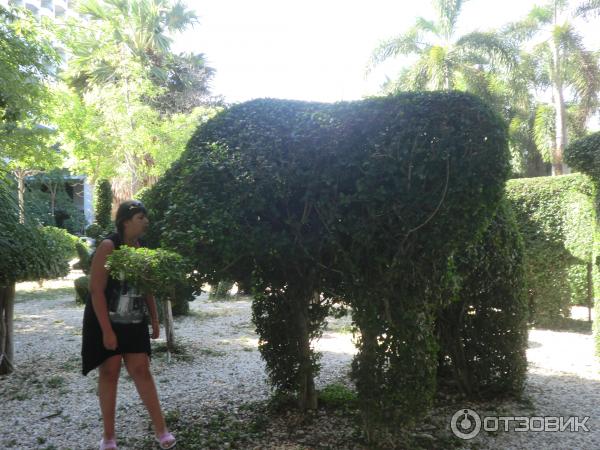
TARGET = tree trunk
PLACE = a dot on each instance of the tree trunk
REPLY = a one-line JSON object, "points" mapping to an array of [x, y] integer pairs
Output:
{"points": [[20, 174], [169, 330], [558, 166], [307, 395], [7, 305]]}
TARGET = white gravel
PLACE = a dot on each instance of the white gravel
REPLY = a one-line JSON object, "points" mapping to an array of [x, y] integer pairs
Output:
{"points": [[48, 404]]}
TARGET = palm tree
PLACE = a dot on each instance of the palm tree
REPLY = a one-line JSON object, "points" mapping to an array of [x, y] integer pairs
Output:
{"points": [[562, 65], [445, 61], [138, 29]]}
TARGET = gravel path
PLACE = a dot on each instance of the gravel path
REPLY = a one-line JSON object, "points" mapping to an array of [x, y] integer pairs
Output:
{"points": [[47, 404]]}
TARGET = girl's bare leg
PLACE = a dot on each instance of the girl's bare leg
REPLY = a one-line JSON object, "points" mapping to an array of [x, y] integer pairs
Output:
{"points": [[138, 367], [107, 391]]}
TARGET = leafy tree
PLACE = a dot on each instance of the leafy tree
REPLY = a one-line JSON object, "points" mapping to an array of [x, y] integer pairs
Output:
{"points": [[134, 101], [27, 59]]}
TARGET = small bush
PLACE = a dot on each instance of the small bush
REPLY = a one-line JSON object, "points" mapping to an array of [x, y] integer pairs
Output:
{"points": [[103, 204], [95, 232], [337, 396], [82, 289], [85, 257]]}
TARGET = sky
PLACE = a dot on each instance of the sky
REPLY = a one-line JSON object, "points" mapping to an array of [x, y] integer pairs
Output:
{"points": [[318, 50]]}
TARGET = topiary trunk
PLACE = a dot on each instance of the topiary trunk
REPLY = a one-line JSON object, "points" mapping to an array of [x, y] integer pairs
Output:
{"points": [[169, 329], [7, 305], [307, 395]]}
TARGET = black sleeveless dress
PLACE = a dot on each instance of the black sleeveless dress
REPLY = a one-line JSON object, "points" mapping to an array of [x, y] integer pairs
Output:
{"points": [[128, 320]]}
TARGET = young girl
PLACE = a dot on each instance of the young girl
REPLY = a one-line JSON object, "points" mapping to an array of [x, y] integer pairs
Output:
{"points": [[115, 328]]}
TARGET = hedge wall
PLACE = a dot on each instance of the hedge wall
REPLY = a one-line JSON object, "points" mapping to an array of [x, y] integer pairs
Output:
{"points": [[361, 201], [556, 218], [584, 155]]}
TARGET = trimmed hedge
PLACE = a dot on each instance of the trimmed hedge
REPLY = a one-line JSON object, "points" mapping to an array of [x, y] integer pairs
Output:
{"points": [[483, 332], [584, 155], [363, 201], [556, 218]]}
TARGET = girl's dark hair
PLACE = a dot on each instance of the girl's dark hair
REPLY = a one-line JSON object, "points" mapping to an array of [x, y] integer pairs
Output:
{"points": [[126, 211]]}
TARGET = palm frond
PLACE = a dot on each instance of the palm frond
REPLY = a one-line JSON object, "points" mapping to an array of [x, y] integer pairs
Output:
{"points": [[583, 69], [93, 9], [588, 8], [489, 45], [179, 17], [544, 130], [525, 29], [448, 12], [405, 44]]}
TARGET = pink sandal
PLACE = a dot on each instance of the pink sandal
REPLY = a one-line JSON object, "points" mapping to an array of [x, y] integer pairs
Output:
{"points": [[108, 444], [166, 440]]}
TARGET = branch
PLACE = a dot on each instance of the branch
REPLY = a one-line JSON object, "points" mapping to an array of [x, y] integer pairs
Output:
{"points": [[433, 214]]}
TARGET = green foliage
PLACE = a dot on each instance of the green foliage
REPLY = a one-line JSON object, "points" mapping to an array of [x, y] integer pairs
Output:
{"points": [[103, 206], [61, 243], [159, 272], [29, 252], [129, 99], [85, 257], [48, 202], [584, 155], [283, 321], [82, 289], [556, 218], [26, 60], [483, 332], [361, 201], [95, 231], [337, 396]]}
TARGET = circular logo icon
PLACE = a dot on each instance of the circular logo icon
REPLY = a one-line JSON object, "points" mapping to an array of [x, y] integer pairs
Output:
{"points": [[465, 424]]}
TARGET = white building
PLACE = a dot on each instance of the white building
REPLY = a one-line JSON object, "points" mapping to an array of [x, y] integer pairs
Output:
{"points": [[54, 9]]}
